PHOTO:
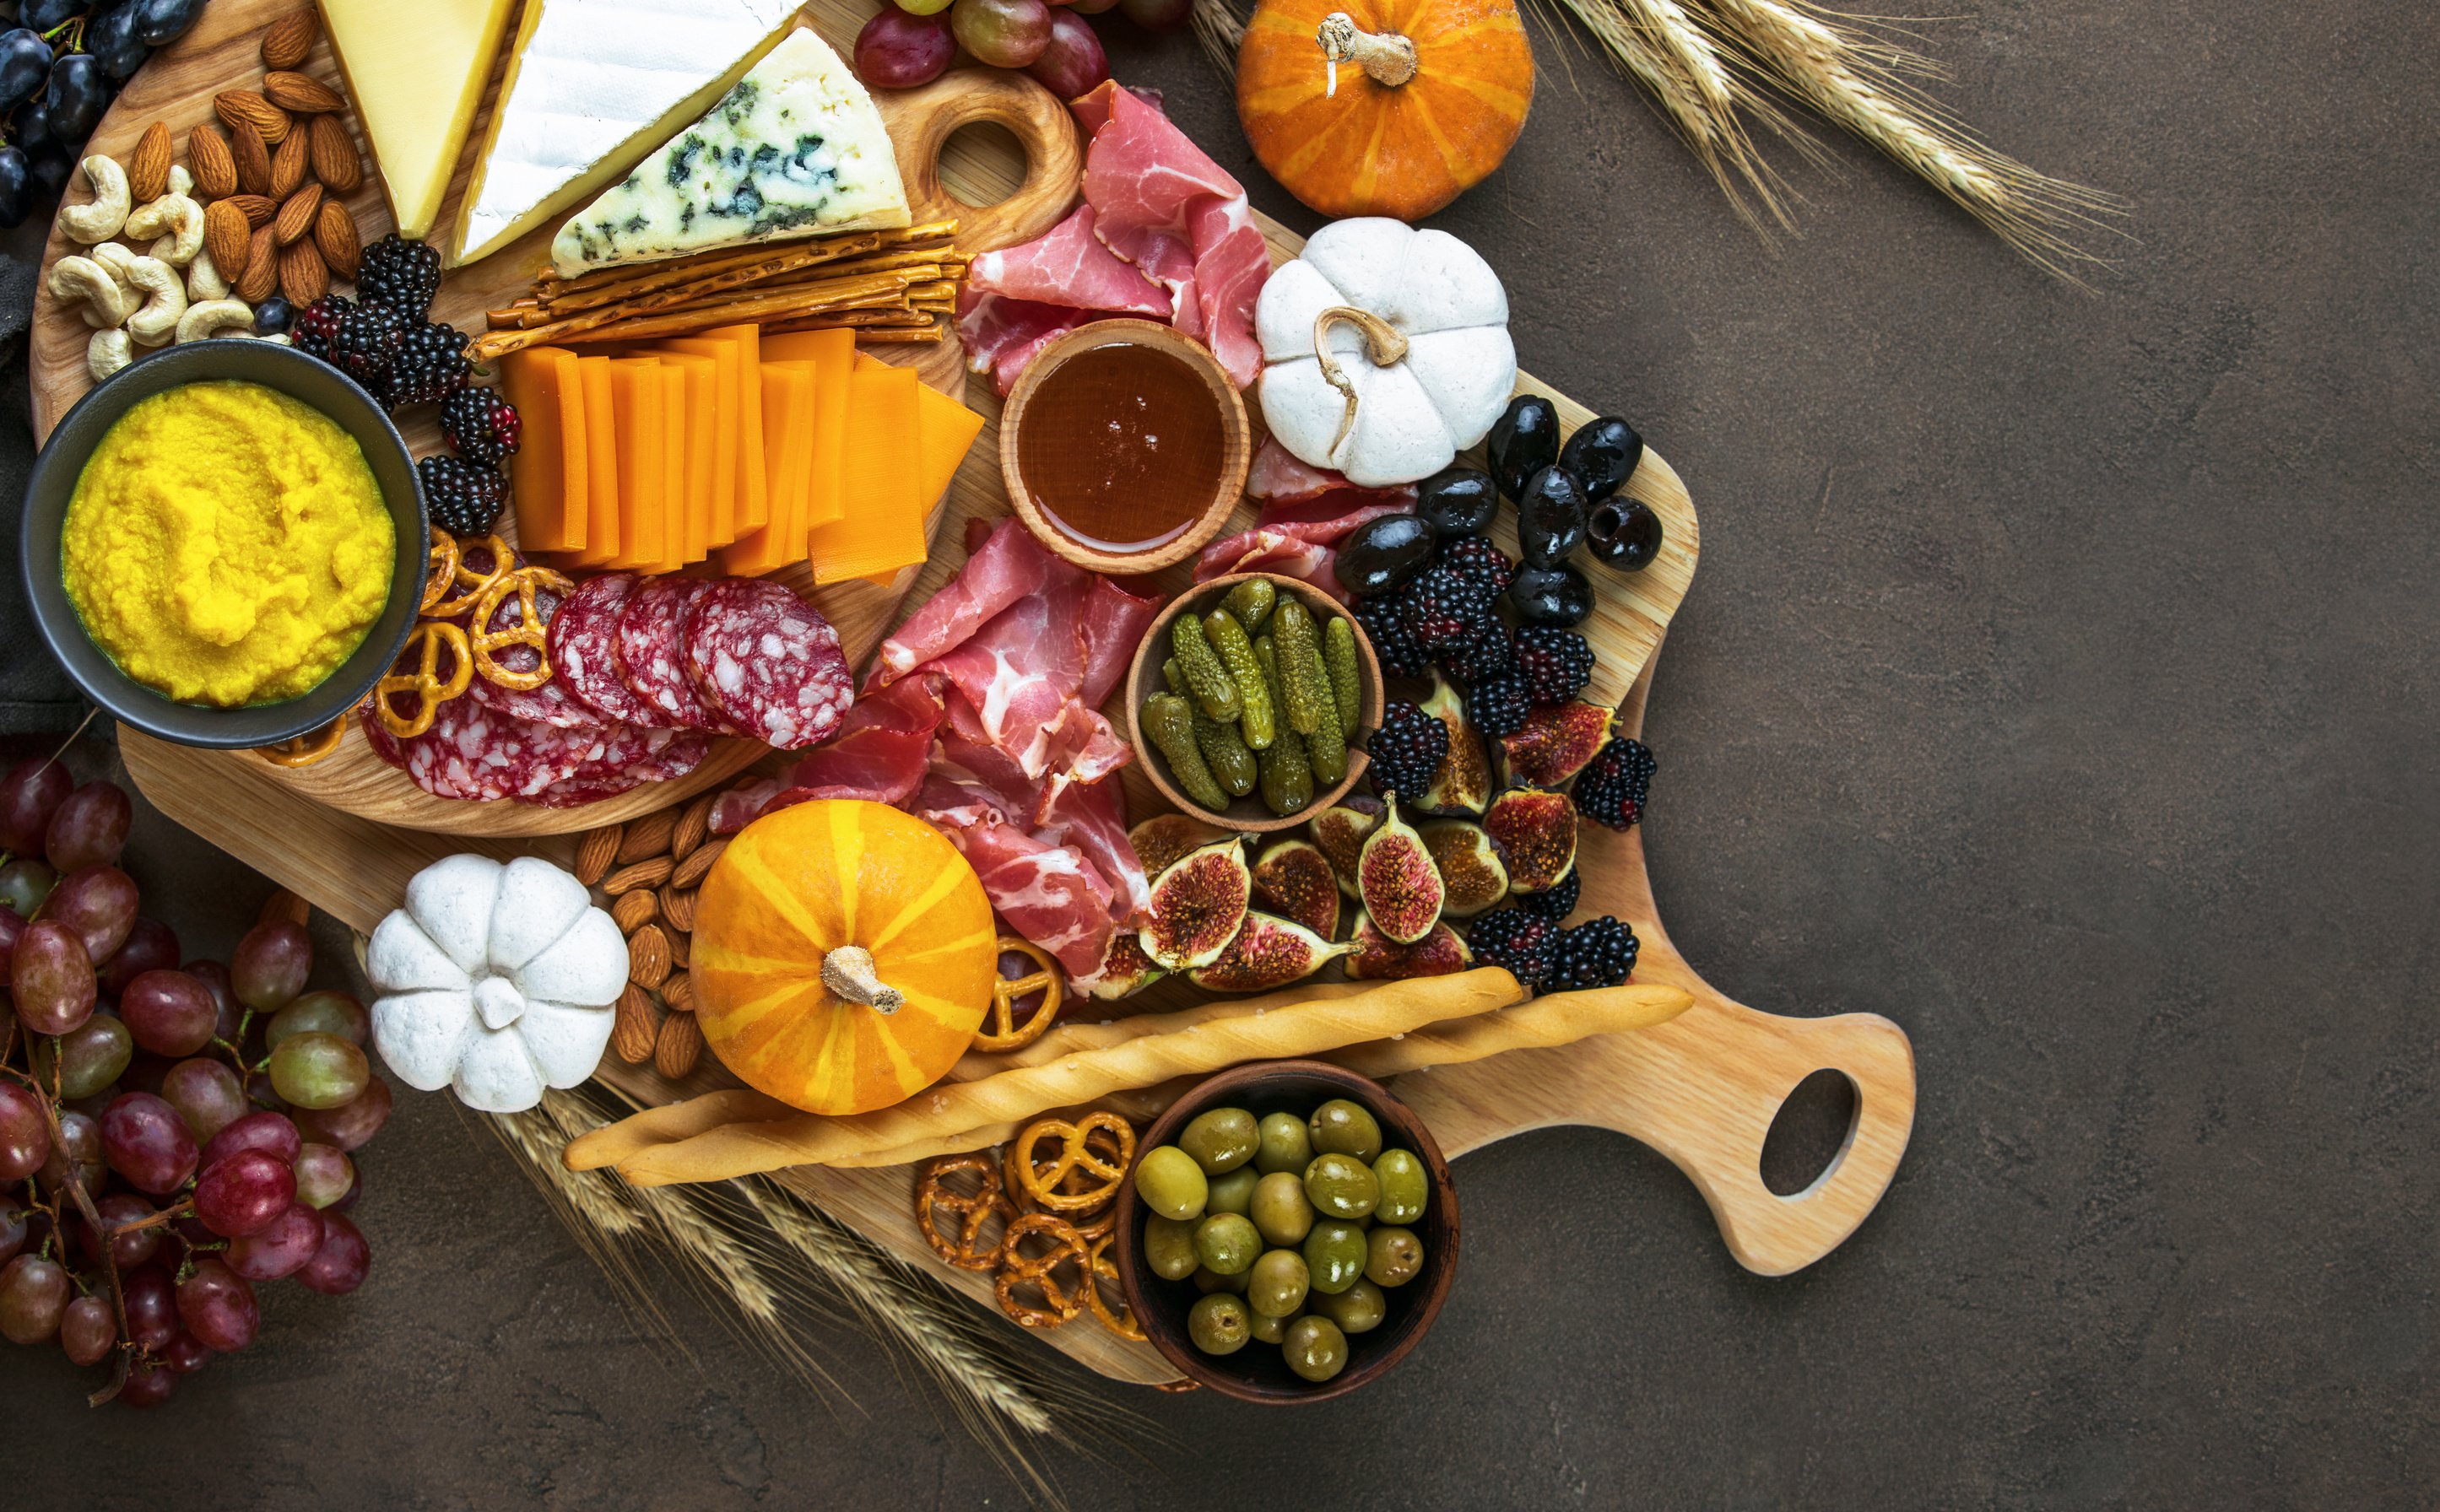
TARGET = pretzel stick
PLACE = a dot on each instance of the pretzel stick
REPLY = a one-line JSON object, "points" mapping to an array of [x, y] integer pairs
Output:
{"points": [[613, 323], [882, 336], [631, 280], [1299, 1029]]}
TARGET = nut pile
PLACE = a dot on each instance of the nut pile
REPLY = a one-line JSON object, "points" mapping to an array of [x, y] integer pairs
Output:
{"points": [[651, 868]]}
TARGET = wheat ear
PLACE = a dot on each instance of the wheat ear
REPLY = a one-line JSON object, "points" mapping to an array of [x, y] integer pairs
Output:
{"points": [[1220, 29]]}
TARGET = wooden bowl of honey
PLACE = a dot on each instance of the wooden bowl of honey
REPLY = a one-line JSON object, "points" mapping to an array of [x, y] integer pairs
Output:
{"points": [[1124, 446]]}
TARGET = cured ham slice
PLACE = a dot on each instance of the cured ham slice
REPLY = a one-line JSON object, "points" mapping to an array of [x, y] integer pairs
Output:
{"points": [[1002, 335], [1278, 474], [1297, 532], [1068, 265]]}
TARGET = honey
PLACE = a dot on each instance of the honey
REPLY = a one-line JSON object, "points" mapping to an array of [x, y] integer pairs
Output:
{"points": [[1122, 447]]}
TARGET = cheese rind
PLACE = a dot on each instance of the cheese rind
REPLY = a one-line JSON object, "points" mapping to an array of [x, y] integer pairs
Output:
{"points": [[416, 74], [796, 149]]}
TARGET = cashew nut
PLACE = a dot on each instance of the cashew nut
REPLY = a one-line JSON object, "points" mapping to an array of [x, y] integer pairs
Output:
{"points": [[99, 219], [106, 353], [107, 305], [117, 259], [180, 181], [176, 220], [156, 324], [204, 281], [215, 318]]}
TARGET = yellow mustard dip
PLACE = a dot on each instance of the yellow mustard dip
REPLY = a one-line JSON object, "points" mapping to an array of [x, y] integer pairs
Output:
{"points": [[227, 544]]}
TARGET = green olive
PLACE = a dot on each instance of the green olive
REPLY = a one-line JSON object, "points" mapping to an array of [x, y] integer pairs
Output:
{"points": [[1343, 1127], [1334, 1255], [1208, 1280], [1358, 1309], [1342, 1187], [1169, 1247], [1171, 1183], [1287, 1144], [1220, 1139], [1280, 1209], [1226, 1242], [1270, 1330], [1392, 1257], [1406, 1187], [1219, 1324], [1315, 1348], [1280, 1283], [1233, 1193]]}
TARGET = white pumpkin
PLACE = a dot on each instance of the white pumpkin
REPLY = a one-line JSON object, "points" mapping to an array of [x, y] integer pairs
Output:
{"points": [[495, 980], [1414, 360]]}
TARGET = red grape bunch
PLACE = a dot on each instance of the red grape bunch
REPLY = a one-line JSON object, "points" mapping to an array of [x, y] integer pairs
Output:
{"points": [[170, 1135]]}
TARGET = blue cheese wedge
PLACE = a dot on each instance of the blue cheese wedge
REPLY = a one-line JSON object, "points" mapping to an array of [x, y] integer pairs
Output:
{"points": [[795, 150]]}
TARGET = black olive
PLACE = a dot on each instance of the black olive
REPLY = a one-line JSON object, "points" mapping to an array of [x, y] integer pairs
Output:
{"points": [[1523, 440], [1623, 533], [24, 63], [1550, 596], [1603, 452], [1550, 518], [111, 38], [80, 93], [1383, 553], [158, 23], [1456, 501], [16, 186]]}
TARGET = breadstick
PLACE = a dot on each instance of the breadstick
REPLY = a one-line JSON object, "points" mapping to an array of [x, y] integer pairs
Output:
{"points": [[1301, 1029]]}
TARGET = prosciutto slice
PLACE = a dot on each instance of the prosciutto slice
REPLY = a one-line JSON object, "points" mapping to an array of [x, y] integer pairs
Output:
{"points": [[1068, 265]]}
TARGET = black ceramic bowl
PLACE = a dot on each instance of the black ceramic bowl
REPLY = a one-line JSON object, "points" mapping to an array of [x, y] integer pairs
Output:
{"points": [[53, 483], [1258, 1373]]}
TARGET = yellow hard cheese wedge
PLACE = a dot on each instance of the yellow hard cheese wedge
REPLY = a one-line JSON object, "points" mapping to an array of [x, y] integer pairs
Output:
{"points": [[548, 475], [415, 74], [881, 527]]}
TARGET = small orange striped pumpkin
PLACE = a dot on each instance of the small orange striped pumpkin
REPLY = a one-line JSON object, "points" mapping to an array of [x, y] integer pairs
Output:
{"points": [[1430, 96], [843, 955]]}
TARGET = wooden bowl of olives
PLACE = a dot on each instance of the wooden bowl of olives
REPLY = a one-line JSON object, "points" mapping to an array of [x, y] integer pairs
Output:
{"points": [[1218, 684], [1288, 1174]]}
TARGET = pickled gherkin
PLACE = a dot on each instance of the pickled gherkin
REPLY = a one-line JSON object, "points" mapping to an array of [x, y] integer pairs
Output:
{"points": [[1304, 686], [1208, 682], [1286, 767], [1249, 603], [1227, 637], [1326, 754], [1346, 677], [1169, 721], [1223, 750]]}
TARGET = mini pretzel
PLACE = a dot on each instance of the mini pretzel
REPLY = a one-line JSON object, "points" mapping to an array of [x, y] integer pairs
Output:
{"points": [[974, 1208], [308, 748], [1001, 1029], [1091, 1224], [523, 582], [1101, 1271], [1045, 1184], [469, 584], [1019, 1269], [441, 569], [423, 647]]}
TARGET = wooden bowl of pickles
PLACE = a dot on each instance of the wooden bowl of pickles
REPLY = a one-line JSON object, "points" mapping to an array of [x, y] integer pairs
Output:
{"points": [[1251, 699]]}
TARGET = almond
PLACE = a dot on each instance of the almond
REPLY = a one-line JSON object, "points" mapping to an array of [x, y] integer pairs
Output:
{"points": [[698, 863], [302, 276], [258, 209], [679, 1046], [336, 159], [301, 94], [677, 906], [636, 1027], [643, 874], [635, 910], [209, 159], [253, 158], [695, 826], [148, 166], [334, 237], [296, 217], [288, 41], [648, 956], [595, 852], [228, 237], [678, 993], [261, 276], [243, 107], [288, 166], [679, 951], [648, 837]]}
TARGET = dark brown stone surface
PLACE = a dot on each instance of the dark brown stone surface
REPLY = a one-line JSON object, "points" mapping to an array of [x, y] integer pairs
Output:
{"points": [[2058, 681]]}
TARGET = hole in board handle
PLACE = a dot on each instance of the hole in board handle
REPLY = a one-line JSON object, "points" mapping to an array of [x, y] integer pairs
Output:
{"points": [[975, 163], [1810, 1133]]}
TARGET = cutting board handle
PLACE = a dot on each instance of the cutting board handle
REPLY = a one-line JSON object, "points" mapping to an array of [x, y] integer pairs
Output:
{"points": [[922, 121]]}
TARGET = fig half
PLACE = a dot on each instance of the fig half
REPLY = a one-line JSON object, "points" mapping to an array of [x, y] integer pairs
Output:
{"points": [[1294, 880], [1268, 952], [1198, 905], [1124, 972], [1462, 783], [1400, 886], [1556, 741], [1537, 834], [1339, 832], [1164, 838], [1374, 956], [1473, 877]]}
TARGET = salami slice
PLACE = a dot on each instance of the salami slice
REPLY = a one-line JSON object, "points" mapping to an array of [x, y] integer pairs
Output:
{"points": [[477, 754], [377, 735], [766, 661], [633, 756], [551, 702], [651, 654], [585, 649]]}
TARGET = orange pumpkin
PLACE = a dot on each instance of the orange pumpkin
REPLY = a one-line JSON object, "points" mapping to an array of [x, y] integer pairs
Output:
{"points": [[1383, 107], [843, 955]]}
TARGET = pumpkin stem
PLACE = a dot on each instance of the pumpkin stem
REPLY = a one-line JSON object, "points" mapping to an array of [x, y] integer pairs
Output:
{"points": [[849, 972], [1387, 57], [1383, 344]]}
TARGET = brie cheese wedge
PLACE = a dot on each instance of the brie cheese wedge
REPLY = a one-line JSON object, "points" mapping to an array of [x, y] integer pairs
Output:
{"points": [[593, 85], [795, 149]]}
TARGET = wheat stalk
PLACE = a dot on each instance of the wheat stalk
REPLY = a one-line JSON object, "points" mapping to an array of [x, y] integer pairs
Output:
{"points": [[1219, 28]]}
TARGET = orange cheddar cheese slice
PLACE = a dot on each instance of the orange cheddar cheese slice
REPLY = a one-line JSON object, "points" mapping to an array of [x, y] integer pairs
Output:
{"points": [[945, 430], [834, 358], [676, 525], [720, 439], [548, 474], [643, 478], [787, 391], [881, 527], [753, 497], [600, 463]]}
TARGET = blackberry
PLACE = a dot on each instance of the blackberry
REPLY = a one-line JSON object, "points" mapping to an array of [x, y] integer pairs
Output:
{"points": [[315, 330], [1477, 557], [431, 363], [1526, 946], [1406, 751], [1557, 903], [1489, 655], [366, 344], [463, 499], [1384, 624], [1597, 953], [1613, 789], [1445, 607], [1556, 663], [403, 275], [482, 425], [1498, 707]]}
